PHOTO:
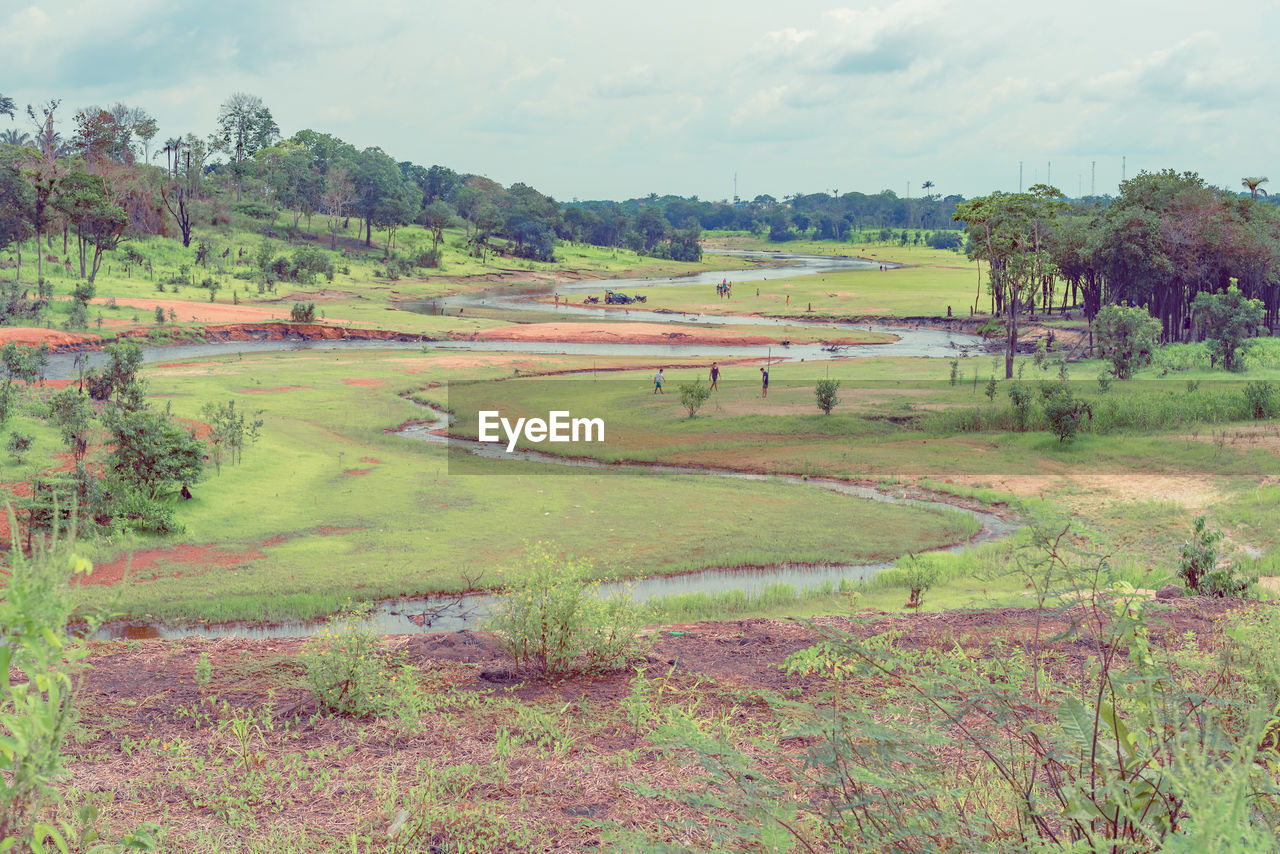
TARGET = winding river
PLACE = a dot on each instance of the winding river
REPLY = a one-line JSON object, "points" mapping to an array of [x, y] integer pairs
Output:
{"points": [[452, 613]]}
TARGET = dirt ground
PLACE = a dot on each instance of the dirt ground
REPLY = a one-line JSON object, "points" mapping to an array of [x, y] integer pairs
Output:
{"points": [[629, 333], [164, 744], [56, 340], [208, 312]]}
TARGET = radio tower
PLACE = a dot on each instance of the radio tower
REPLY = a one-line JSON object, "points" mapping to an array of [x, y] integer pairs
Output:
{"points": [[1093, 179]]}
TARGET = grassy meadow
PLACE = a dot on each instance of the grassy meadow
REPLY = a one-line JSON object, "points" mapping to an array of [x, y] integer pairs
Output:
{"points": [[330, 505]]}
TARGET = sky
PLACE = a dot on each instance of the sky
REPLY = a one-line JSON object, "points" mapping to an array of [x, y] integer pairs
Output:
{"points": [[594, 99]]}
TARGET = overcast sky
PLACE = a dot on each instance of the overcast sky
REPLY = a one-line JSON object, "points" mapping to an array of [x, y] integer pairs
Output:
{"points": [[593, 99]]}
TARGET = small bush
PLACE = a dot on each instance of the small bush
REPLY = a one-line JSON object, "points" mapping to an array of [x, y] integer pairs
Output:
{"points": [[1127, 336], [693, 395], [19, 444], [303, 312], [43, 663], [1261, 399], [1020, 397], [825, 392], [917, 576], [1198, 556], [553, 620], [347, 670]]}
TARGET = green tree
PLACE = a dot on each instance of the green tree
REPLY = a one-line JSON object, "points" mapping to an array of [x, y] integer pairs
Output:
{"points": [[24, 363], [71, 412], [1226, 320], [1126, 336], [15, 201], [826, 393], [1253, 184], [1010, 232], [152, 453], [693, 395], [379, 186], [339, 193], [229, 431], [436, 216], [245, 126], [89, 203], [118, 381], [286, 172]]}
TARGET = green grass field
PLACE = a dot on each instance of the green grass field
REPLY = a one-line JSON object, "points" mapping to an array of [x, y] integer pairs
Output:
{"points": [[930, 281], [329, 505]]}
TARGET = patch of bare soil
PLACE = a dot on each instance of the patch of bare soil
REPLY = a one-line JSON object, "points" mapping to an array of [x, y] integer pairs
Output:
{"points": [[179, 559], [625, 333], [207, 312], [550, 757], [57, 341], [1083, 492], [1264, 436]]}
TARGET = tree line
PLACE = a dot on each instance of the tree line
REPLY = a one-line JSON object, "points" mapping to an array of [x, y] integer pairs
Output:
{"points": [[1165, 241], [104, 182]]}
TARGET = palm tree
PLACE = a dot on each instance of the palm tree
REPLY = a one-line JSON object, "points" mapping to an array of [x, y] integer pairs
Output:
{"points": [[172, 146], [1254, 189], [13, 136]]}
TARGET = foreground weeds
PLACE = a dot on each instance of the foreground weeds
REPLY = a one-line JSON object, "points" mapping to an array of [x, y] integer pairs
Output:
{"points": [[1134, 746]]}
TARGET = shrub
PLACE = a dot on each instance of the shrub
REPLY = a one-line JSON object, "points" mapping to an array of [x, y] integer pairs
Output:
{"points": [[1064, 414], [917, 576], [19, 444], [254, 210], [553, 619], [825, 392], [1261, 400], [1227, 319], [303, 312], [40, 666], [1198, 556], [986, 747], [693, 395], [309, 262], [1020, 397], [1127, 335], [347, 670]]}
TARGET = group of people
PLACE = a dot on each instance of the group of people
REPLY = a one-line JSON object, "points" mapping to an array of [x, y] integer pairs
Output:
{"points": [[658, 379], [725, 289]]}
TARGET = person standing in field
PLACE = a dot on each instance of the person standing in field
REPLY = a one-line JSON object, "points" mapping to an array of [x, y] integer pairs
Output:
{"points": [[764, 383], [657, 382], [715, 374]]}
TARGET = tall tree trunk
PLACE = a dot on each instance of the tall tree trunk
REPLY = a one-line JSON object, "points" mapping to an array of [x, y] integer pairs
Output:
{"points": [[1012, 302]]}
